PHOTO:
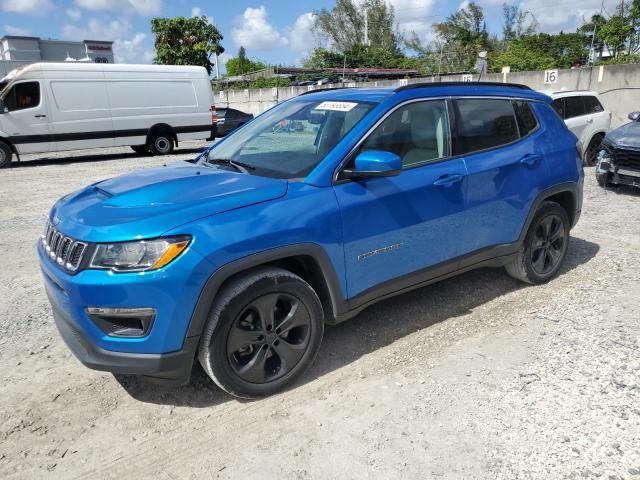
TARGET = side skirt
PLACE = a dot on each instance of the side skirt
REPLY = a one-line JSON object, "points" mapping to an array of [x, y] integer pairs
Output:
{"points": [[494, 257]]}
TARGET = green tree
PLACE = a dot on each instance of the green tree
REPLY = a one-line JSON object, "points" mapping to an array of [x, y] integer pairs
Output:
{"points": [[516, 23], [344, 25], [186, 41], [360, 56], [242, 65], [242, 59]]}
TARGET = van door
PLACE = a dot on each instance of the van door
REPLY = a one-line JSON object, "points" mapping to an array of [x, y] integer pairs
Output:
{"points": [[25, 120], [81, 117]]}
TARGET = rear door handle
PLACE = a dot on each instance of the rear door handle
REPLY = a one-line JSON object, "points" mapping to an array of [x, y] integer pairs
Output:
{"points": [[448, 180], [531, 161], [589, 120], [40, 116]]}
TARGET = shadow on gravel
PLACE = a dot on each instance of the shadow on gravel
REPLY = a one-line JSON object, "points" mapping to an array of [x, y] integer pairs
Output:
{"points": [[39, 162], [378, 326], [626, 190]]}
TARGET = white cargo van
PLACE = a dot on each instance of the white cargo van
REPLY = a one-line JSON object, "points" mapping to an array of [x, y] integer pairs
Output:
{"points": [[50, 107]]}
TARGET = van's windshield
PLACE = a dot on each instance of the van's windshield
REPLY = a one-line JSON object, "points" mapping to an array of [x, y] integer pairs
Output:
{"points": [[289, 140]]}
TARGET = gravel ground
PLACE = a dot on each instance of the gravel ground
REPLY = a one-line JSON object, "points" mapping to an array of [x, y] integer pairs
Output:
{"points": [[474, 377]]}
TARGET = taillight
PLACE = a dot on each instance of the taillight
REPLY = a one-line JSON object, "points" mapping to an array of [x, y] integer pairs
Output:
{"points": [[214, 115]]}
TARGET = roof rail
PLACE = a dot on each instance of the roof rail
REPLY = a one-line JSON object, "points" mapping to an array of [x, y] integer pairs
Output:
{"points": [[461, 84], [323, 90]]}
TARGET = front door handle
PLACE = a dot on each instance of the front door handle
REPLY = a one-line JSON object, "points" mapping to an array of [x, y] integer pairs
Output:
{"points": [[40, 116], [531, 161], [589, 120], [448, 180]]}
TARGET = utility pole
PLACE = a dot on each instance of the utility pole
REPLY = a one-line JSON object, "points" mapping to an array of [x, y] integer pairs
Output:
{"points": [[366, 28]]}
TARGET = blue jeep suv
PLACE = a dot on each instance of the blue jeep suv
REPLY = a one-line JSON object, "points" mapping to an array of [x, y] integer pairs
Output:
{"points": [[305, 216]]}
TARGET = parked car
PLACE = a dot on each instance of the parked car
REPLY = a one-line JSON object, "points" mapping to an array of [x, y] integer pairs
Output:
{"points": [[619, 159], [586, 117], [229, 119], [241, 258], [52, 107]]}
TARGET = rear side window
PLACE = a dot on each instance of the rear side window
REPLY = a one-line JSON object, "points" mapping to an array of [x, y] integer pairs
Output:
{"points": [[484, 123], [575, 107], [592, 105], [527, 121], [22, 96]]}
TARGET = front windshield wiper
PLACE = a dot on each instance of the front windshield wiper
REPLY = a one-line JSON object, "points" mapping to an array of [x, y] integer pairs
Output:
{"points": [[241, 167]]}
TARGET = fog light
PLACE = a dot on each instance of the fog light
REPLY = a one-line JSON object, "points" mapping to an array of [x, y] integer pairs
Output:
{"points": [[123, 322]]}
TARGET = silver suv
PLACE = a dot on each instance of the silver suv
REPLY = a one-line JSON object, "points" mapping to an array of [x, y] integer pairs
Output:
{"points": [[583, 113]]}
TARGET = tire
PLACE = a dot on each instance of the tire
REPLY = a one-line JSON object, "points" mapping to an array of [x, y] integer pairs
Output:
{"points": [[591, 153], [545, 246], [140, 149], [243, 352], [6, 155], [160, 143]]}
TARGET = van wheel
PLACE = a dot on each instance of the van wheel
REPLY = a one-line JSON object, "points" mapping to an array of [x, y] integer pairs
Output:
{"points": [[263, 332], [140, 149], [6, 155], [161, 143], [545, 246]]}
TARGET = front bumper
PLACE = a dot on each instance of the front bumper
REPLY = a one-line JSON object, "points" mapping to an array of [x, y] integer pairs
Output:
{"points": [[620, 176], [166, 352], [170, 368]]}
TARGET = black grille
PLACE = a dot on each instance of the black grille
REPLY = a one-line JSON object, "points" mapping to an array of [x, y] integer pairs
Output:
{"points": [[629, 159], [65, 251]]}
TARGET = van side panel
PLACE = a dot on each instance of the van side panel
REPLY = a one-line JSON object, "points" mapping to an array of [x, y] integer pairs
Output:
{"points": [[81, 117], [140, 100]]}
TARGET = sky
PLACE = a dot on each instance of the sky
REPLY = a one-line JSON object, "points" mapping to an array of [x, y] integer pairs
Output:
{"points": [[275, 31]]}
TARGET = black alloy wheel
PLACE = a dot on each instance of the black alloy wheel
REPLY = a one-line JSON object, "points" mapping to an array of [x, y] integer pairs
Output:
{"points": [[264, 330], [547, 249], [268, 338]]}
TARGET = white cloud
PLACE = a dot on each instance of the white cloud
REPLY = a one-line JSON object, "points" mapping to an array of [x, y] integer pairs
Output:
{"points": [[19, 31], [74, 14], [415, 16], [301, 37], [554, 17], [27, 7], [141, 7], [256, 33], [197, 12], [128, 47]]}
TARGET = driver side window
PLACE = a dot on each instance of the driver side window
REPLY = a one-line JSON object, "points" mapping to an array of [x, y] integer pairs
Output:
{"points": [[417, 132], [22, 96]]}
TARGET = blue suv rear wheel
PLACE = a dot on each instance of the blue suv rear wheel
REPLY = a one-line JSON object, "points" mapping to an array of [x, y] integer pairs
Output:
{"points": [[545, 246]]}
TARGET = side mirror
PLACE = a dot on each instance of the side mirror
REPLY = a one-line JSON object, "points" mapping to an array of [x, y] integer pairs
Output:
{"points": [[634, 116], [375, 163]]}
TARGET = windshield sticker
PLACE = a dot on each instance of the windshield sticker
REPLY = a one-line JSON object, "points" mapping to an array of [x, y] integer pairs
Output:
{"points": [[337, 106]]}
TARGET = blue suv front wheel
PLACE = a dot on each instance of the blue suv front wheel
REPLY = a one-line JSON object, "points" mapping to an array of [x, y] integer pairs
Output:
{"points": [[263, 332]]}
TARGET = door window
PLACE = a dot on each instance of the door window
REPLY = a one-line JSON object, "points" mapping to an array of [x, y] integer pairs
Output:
{"points": [[417, 133], [575, 107], [484, 123], [22, 96]]}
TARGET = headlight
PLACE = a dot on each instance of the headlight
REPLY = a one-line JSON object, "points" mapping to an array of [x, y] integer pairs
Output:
{"points": [[138, 256]]}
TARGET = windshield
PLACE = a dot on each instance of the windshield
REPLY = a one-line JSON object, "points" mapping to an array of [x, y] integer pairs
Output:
{"points": [[289, 140]]}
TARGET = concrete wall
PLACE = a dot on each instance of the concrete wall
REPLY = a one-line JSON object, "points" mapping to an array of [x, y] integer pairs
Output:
{"points": [[619, 86]]}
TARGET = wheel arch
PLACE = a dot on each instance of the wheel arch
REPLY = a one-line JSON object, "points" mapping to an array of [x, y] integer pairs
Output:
{"points": [[308, 261], [566, 195], [165, 128], [11, 146]]}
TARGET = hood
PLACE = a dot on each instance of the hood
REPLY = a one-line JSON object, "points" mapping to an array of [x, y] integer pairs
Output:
{"points": [[147, 203], [626, 136]]}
